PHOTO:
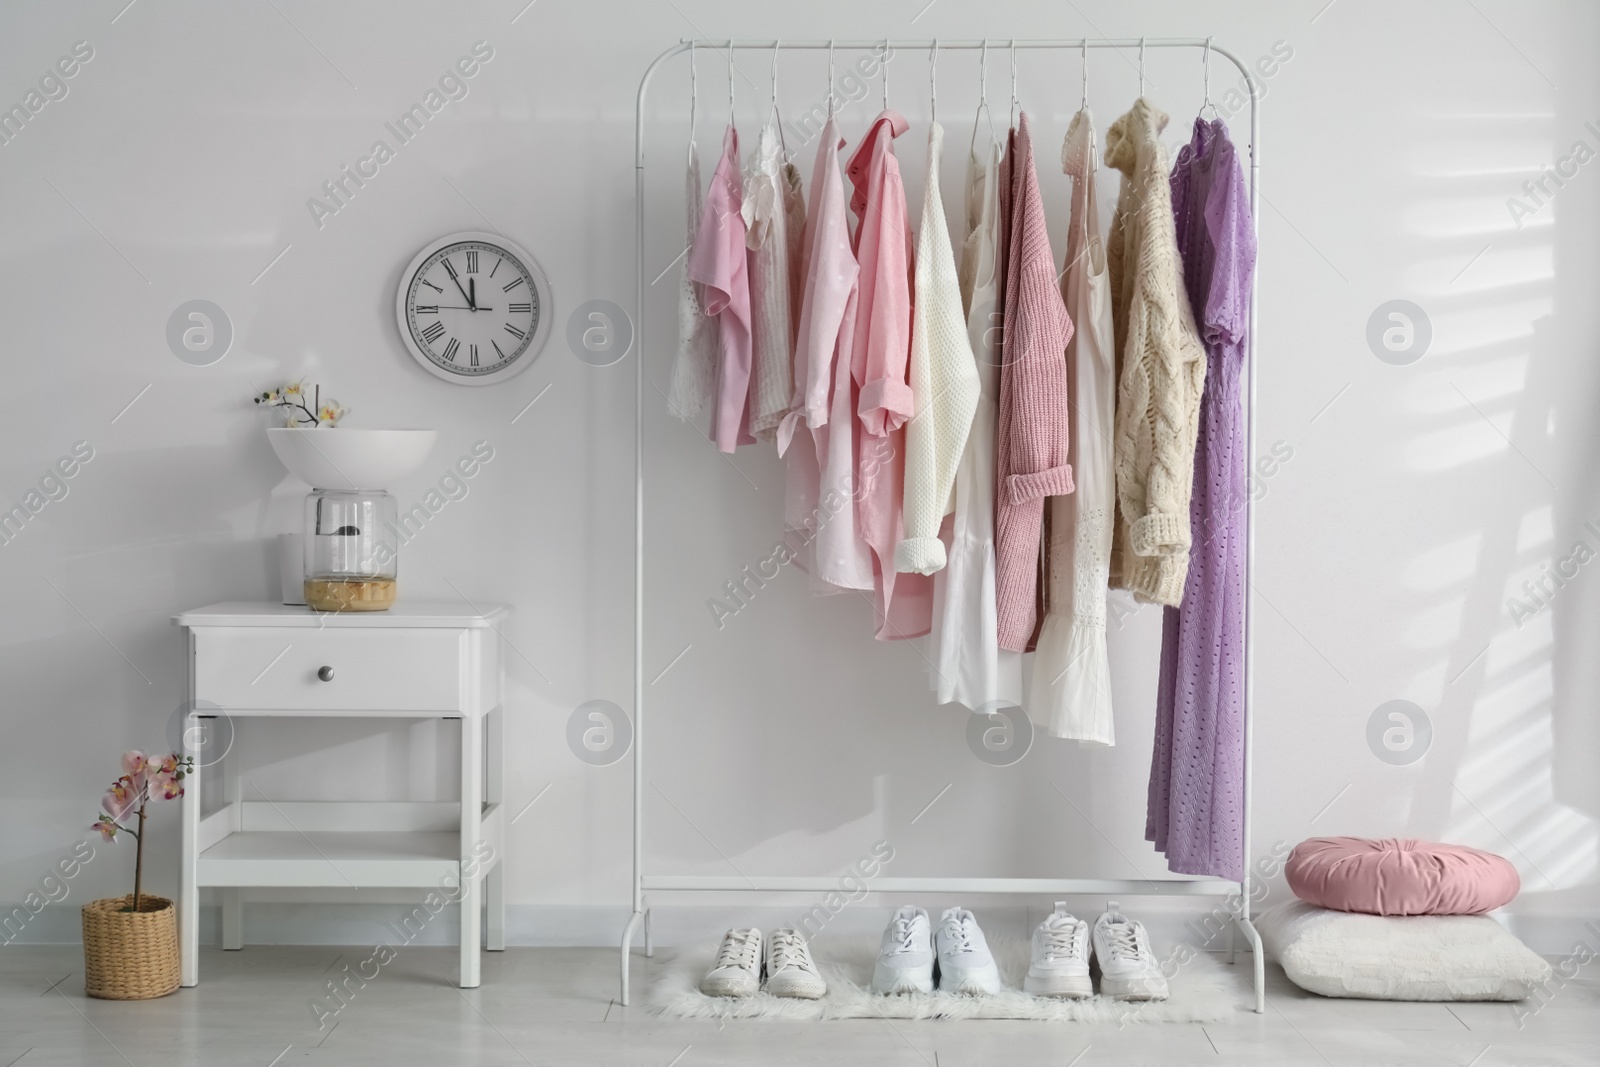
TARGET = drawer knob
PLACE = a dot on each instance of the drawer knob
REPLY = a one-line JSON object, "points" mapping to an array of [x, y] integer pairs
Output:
{"points": [[325, 673]]}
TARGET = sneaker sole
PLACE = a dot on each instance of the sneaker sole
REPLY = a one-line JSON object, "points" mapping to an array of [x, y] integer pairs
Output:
{"points": [[1073, 987], [973, 981], [893, 981], [727, 989], [813, 989], [1133, 988]]}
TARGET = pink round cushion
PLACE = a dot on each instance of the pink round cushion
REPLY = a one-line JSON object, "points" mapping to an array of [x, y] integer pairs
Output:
{"points": [[1399, 876]]}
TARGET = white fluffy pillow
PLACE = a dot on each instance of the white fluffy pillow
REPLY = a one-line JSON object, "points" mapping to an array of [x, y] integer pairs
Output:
{"points": [[1393, 957]]}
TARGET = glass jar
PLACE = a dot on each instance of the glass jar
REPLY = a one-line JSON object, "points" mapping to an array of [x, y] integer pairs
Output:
{"points": [[351, 550]]}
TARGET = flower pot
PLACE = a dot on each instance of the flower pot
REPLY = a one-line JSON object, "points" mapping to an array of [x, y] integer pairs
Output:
{"points": [[130, 955]]}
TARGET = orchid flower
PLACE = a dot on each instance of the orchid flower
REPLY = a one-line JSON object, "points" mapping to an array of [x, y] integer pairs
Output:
{"points": [[121, 799]]}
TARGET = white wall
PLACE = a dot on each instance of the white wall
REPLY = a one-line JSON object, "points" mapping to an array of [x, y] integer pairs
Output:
{"points": [[1418, 499]]}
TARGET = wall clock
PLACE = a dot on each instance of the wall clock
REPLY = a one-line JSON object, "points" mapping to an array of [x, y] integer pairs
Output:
{"points": [[474, 308]]}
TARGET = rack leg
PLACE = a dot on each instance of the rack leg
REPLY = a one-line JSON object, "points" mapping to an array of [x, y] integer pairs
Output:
{"points": [[627, 947], [1231, 952], [1258, 958], [649, 942]]}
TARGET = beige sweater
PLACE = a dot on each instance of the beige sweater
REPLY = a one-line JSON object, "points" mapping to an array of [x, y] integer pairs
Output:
{"points": [[1161, 368]]}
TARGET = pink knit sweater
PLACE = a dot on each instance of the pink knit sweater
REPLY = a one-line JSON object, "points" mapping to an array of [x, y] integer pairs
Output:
{"points": [[1031, 441]]}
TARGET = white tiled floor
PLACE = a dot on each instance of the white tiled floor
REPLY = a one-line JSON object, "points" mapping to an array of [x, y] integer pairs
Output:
{"points": [[555, 1006]]}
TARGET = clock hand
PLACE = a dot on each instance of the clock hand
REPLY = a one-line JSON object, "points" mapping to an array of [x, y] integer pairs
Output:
{"points": [[448, 269], [472, 293], [459, 307]]}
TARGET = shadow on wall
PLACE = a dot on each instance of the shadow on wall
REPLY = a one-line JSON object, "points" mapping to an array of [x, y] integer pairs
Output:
{"points": [[1516, 727]]}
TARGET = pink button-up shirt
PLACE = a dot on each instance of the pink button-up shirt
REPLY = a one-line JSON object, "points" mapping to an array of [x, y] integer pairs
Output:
{"points": [[819, 448], [880, 360], [717, 262]]}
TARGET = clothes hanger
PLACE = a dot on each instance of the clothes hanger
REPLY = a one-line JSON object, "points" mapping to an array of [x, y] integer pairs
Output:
{"points": [[1207, 102], [830, 79], [884, 67], [1014, 108], [1083, 102], [933, 85], [773, 112], [983, 98], [694, 95], [730, 85], [1141, 68]]}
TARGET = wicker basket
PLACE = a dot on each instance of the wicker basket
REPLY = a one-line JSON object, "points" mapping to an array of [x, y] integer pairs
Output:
{"points": [[128, 955]]}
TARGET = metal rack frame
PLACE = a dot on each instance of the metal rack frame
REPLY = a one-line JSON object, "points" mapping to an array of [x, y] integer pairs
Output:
{"points": [[642, 882]]}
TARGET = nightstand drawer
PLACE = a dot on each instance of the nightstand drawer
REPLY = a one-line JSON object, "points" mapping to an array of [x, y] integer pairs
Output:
{"points": [[332, 669]]}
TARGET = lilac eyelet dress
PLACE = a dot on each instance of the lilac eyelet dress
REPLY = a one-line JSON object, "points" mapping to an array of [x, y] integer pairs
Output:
{"points": [[1196, 802]]}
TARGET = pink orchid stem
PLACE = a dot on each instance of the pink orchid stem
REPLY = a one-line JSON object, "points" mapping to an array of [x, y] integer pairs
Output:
{"points": [[138, 862]]}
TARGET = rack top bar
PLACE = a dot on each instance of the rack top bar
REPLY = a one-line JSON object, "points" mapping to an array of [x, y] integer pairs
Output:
{"points": [[995, 43]]}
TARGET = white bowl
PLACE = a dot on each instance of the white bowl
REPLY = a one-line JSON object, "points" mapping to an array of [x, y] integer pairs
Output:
{"points": [[351, 459]]}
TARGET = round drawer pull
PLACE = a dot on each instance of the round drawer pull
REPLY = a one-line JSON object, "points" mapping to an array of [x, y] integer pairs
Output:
{"points": [[326, 674]]}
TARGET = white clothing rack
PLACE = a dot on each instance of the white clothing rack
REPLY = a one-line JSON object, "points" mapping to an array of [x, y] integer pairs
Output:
{"points": [[1046, 887]]}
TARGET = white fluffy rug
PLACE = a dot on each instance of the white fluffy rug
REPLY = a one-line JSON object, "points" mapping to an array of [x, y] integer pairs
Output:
{"points": [[1203, 990]]}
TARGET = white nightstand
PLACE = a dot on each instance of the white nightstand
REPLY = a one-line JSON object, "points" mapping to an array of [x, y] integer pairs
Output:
{"points": [[416, 660]]}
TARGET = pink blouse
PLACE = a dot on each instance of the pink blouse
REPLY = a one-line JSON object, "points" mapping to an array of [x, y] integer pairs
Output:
{"points": [[820, 449], [880, 363], [717, 262]]}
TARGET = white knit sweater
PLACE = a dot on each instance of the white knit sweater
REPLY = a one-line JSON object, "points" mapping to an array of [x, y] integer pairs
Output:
{"points": [[1162, 368], [944, 383]]}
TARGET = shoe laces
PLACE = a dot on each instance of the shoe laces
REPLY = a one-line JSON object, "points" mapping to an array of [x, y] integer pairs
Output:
{"points": [[1124, 940], [1060, 937], [739, 949], [958, 928], [788, 950], [902, 931]]}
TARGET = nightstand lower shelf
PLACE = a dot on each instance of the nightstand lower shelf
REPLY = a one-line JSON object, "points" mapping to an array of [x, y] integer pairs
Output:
{"points": [[356, 859]]}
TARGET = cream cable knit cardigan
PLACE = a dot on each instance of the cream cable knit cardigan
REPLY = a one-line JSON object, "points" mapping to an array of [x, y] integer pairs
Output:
{"points": [[944, 383], [1161, 371]]}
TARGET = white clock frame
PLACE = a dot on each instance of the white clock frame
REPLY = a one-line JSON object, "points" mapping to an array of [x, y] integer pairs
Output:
{"points": [[541, 331]]}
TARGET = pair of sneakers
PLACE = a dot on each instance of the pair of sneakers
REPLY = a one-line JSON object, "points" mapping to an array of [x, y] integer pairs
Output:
{"points": [[912, 954], [785, 963], [1060, 965]]}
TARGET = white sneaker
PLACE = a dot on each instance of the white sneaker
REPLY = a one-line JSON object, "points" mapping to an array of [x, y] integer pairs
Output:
{"points": [[965, 964], [790, 972], [1060, 964], [736, 972], [905, 956], [1128, 968]]}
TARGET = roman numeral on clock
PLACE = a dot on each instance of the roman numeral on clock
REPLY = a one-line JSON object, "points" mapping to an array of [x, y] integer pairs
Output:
{"points": [[434, 331], [514, 332], [430, 285], [472, 262], [448, 269], [520, 307], [473, 351], [508, 286], [451, 349], [427, 309], [497, 351], [496, 266]]}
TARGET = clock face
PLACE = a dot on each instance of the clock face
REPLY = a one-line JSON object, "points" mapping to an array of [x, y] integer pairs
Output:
{"points": [[473, 309]]}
